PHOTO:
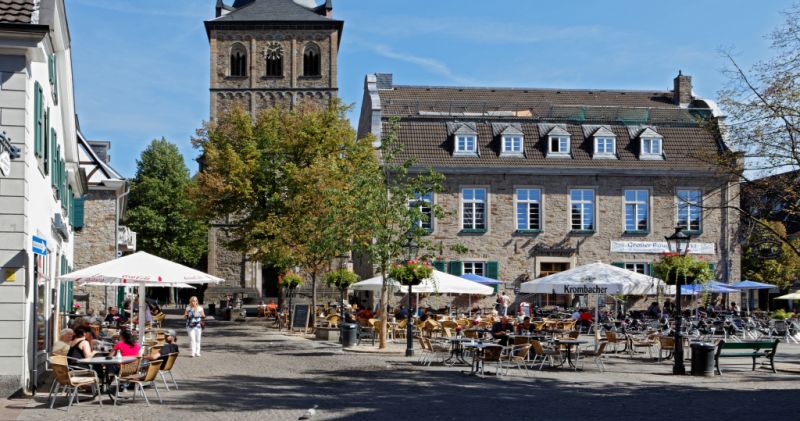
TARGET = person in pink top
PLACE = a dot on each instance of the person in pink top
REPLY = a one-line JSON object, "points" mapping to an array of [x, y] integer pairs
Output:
{"points": [[127, 347]]}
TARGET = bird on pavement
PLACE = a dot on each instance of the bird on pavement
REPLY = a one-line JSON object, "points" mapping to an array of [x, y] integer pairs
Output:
{"points": [[310, 413]]}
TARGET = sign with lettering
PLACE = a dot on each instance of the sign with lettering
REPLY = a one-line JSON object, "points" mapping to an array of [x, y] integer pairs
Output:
{"points": [[658, 247], [590, 289], [300, 316]]}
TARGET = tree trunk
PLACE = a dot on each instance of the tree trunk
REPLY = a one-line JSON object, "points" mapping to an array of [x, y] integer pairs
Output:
{"points": [[313, 316], [383, 312]]}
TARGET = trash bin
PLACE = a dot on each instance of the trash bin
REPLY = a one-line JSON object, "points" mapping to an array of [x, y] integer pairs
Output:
{"points": [[212, 309], [349, 334], [703, 359]]}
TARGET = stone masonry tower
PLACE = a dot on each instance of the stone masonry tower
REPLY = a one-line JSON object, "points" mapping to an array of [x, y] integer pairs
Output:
{"points": [[265, 53]]}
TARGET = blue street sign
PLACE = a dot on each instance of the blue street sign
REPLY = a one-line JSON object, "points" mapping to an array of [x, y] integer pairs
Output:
{"points": [[39, 246]]}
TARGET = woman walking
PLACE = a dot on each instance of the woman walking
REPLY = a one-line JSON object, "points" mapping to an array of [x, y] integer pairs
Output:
{"points": [[194, 316]]}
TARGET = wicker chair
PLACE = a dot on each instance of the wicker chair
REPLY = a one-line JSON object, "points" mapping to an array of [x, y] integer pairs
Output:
{"points": [[130, 369], [332, 320], [666, 343], [516, 355], [597, 356], [613, 339], [649, 344], [167, 368], [139, 381], [491, 354], [68, 381], [544, 353]]}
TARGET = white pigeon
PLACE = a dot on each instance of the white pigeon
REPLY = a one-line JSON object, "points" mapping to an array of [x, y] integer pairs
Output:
{"points": [[310, 413]]}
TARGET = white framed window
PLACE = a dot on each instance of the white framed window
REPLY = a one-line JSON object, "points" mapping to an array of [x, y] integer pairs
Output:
{"points": [[424, 202], [604, 145], [473, 208], [466, 144], [529, 209], [651, 147], [476, 268], [637, 210], [638, 267], [558, 145], [512, 145], [689, 206], [582, 206]]}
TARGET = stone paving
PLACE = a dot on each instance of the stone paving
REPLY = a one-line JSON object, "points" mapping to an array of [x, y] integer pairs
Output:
{"points": [[248, 371]]}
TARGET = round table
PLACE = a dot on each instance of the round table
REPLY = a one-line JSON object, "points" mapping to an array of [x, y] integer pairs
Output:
{"points": [[569, 343], [103, 362]]}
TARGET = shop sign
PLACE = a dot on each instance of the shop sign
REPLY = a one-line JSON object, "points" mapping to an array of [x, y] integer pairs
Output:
{"points": [[658, 247]]}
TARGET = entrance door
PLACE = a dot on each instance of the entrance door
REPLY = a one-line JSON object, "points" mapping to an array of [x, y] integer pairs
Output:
{"points": [[549, 268], [269, 281]]}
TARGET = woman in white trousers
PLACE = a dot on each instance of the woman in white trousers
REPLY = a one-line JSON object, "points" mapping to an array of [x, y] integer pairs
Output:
{"points": [[194, 316]]}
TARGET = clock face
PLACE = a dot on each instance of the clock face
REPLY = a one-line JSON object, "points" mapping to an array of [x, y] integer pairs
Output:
{"points": [[274, 51]]}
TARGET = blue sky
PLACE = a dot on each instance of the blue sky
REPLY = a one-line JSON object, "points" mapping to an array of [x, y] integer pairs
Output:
{"points": [[142, 66]]}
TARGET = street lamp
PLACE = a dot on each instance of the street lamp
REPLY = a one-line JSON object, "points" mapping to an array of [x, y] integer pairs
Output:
{"points": [[411, 251], [678, 243], [342, 258]]}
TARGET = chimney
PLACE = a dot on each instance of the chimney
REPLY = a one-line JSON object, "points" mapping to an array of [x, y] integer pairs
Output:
{"points": [[682, 92], [384, 81], [218, 8], [329, 8]]}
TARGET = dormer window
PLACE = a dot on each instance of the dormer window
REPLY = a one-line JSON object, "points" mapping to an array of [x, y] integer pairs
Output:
{"points": [[650, 145], [466, 144], [559, 145], [558, 140], [512, 145], [605, 143]]}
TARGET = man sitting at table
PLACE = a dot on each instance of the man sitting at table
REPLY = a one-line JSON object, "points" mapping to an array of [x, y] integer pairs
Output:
{"points": [[585, 319], [113, 316], [61, 346], [499, 330], [170, 347], [365, 314], [526, 326]]}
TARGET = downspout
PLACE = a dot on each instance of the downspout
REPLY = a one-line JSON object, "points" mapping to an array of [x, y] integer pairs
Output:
{"points": [[34, 369]]}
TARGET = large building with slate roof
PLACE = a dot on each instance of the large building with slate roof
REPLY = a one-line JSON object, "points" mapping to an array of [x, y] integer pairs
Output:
{"points": [[543, 180], [266, 53]]}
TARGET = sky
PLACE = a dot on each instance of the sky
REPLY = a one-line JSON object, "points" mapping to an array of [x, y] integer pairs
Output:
{"points": [[141, 67]]}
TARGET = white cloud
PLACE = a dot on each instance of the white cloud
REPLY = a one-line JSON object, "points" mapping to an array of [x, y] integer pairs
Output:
{"points": [[429, 64]]}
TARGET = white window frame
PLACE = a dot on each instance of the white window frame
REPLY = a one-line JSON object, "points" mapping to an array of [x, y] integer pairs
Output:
{"points": [[562, 141], [636, 203], [643, 154], [511, 152], [631, 266], [462, 204], [604, 154], [583, 201], [417, 202], [527, 202], [679, 202], [469, 152], [474, 265]]}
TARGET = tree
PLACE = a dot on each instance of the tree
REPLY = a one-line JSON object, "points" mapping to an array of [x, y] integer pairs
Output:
{"points": [[160, 209], [765, 260], [763, 113], [289, 182], [386, 208]]}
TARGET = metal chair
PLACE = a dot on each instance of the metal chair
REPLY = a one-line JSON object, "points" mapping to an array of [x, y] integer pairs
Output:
{"points": [[140, 380], [67, 381]]}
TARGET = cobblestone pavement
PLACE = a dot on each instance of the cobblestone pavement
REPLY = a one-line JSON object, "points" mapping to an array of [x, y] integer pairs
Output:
{"points": [[248, 371]]}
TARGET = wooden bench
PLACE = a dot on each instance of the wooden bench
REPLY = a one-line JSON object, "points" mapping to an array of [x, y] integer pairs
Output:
{"points": [[748, 349]]}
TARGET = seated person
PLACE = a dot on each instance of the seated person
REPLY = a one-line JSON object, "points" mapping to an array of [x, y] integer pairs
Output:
{"points": [[80, 347], [170, 347], [585, 319], [654, 311], [500, 328], [114, 317], [365, 314], [126, 346], [92, 317], [526, 326], [401, 313], [61, 346]]}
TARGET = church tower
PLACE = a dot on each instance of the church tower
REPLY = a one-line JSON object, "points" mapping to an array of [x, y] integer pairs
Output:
{"points": [[265, 53]]}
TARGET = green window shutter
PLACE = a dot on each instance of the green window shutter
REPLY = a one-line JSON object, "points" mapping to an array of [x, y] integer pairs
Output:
{"points": [[53, 159], [440, 265], [57, 169], [70, 201], [618, 264], [77, 213], [493, 270], [37, 120], [455, 268], [46, 142], [712, 266], [650, 269]]}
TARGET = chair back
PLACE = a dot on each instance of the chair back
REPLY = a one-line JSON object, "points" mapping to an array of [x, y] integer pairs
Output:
{"points": [[574, 334], [170, 362], [152, 370], [492, 353], [666, 342], [601, 349], [471, 334], [611, 336], [333, 320], [449, 324], [521, 350], [447, 332], [521, 340], [537, 347], [129, 369], [61, 372]]}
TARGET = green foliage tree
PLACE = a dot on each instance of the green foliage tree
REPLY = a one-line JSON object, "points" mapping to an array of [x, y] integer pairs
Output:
{"points": [[289, 181], [387, 211], [781, 268], [160, 209]]}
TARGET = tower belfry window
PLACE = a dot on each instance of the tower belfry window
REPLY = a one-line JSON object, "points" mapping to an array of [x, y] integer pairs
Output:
{"points": [[311, 61], [274, 54], [238, 60]]}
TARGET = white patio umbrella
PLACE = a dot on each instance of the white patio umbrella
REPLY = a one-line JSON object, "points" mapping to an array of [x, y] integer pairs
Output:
{"points": [[790, 296], [437, 283], [140, 269]]}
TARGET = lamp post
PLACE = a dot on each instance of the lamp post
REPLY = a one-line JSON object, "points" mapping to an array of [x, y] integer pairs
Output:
{"points": [[411, 251], [342, 258], [678, 243]]}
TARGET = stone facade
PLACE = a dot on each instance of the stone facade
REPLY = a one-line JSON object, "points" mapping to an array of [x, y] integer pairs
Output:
{"points": [[96, 243]]}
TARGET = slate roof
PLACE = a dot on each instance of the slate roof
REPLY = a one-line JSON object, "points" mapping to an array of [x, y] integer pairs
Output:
{"points": [[16, 11], [426, 111], [271, 11]]}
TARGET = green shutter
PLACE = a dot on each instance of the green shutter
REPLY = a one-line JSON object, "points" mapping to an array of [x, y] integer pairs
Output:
{"points": [[650, 269], [493, 270], [77, 213], [57, 169], [455, 268], [37, 120], [68, 205], [53, 159], [618, 264], [440, 265], [714, 273], [46, 142]]}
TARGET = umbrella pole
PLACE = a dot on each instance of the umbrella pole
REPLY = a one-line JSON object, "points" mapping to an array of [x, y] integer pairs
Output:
{"points": [[142, 320]]}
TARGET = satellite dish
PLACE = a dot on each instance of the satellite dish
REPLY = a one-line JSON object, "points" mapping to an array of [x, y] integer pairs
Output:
{"points": [[309, 4]]}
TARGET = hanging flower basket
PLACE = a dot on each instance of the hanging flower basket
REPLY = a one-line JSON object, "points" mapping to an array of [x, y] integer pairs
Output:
{"points": [[341, 279], [411, 272], [292, 281]]}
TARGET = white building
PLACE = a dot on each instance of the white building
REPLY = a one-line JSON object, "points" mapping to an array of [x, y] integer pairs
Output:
{"points": [[37, 196]]}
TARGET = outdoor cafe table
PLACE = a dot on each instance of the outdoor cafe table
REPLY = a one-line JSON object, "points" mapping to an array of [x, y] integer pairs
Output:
{"points": [[569, 343], [457, 351], [480, 350], [103, 362]]}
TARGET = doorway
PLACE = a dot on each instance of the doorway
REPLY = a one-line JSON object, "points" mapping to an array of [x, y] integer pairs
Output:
{"points": [[549, 268], [269, 281]]}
